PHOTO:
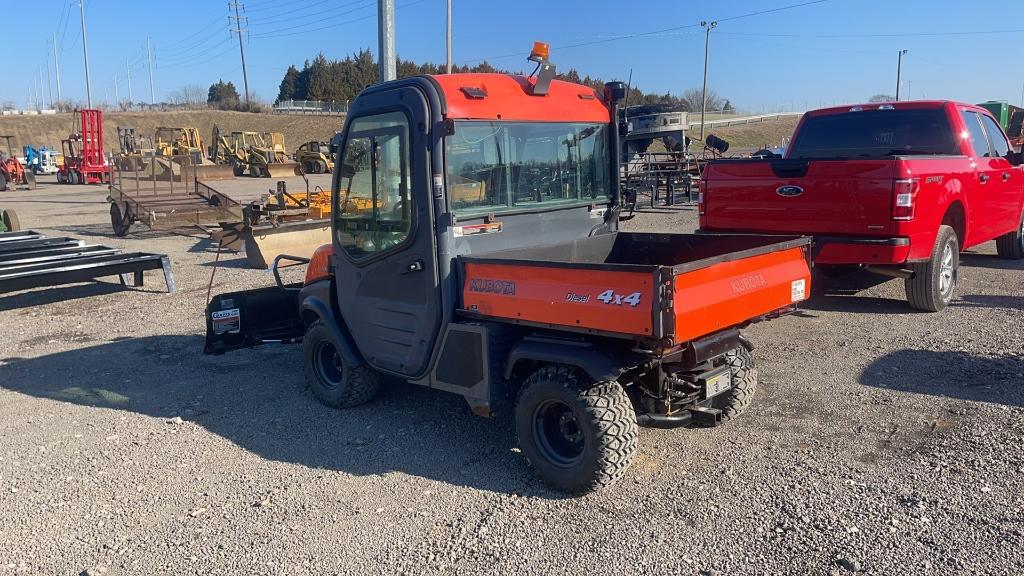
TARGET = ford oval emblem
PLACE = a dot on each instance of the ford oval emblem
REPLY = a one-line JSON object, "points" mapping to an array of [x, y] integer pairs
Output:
{"points": [[789, 191]]}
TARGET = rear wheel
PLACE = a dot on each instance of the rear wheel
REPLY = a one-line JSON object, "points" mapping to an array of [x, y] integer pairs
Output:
{"points": [[931, 289], [238, 169], [3, 182], [321, 167], [60, 178], [1011, 246], [333, 381], [735, 400], [578, 434], [72, 177], [10, 220]]}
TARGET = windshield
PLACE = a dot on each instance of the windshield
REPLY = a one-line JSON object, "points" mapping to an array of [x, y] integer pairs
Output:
{"points": [[496, 166], [874, 133]]}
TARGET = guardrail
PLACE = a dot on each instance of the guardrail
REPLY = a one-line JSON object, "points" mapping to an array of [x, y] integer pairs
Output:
{"points": [[744, 120], [315, 107]]}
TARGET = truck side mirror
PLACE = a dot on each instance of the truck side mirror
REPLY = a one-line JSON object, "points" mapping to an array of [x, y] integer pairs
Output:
{"points": [[1015, 158]]}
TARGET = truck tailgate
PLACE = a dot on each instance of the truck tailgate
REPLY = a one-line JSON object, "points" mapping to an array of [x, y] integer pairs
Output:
{"points": [[675, 287], [800, 196]]}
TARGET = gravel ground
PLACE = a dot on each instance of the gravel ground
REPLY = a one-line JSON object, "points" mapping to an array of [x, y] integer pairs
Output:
{"points": [[883, 441]]}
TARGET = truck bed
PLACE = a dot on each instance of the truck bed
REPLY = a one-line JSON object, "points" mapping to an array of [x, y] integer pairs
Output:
{"points": [[668, 287]]}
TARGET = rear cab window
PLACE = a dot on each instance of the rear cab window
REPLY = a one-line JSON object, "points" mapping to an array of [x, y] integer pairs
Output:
{"points": [[875, 134]]}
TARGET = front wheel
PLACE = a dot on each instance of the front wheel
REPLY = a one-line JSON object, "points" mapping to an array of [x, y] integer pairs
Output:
{"points": [[333, 381], [578, 434], [931, 289], [1011, 246]]}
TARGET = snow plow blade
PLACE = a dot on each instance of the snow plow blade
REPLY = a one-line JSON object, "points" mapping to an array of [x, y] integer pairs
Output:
{"points": [[264, 242]]}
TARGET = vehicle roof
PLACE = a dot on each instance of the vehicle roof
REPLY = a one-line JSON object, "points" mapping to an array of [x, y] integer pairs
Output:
{"points": [[508, 97], [902, 105]]}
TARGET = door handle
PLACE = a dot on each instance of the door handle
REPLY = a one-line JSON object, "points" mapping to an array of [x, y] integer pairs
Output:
{"points": [[414, 266], [1006, 176], [983, 178]]}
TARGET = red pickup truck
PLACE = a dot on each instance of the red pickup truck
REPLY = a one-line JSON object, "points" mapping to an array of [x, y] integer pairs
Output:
{"points": [[898, 188]]}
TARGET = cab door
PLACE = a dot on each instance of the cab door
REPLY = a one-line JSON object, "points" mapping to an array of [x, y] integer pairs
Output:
{"points": [[385, 257], [984, 193]]}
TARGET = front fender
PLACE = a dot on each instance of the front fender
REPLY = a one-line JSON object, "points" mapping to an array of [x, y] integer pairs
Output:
{"points": [[600, 365], [315, 300]]}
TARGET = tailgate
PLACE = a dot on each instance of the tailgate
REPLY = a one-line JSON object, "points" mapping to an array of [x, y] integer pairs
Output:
{"points": [[730, 290], [800, 196], [615, 300]]}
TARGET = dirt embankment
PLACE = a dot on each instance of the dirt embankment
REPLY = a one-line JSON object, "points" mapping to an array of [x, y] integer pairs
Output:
{"points": [[50, 130]]}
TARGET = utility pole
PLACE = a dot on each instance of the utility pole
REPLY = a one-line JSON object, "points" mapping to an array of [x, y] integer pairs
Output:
{"points": [[117, 97], [128, 71], [241, 49], [152, 94], [56, 64], [386, 40], [899, 70], [85, 51], [49, 85], [448, 44], [708, 27]]}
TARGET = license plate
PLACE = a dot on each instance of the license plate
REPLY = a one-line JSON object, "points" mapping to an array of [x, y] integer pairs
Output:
{"points": [[717, 384]]}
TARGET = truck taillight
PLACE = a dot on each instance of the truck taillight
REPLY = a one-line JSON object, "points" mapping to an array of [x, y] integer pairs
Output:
{"points": [[702, 190], [319, 264], [904, 198]]}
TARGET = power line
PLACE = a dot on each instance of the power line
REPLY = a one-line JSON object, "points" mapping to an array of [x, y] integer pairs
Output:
{"points": [[879, 35], [655, 32], [276, 33]]}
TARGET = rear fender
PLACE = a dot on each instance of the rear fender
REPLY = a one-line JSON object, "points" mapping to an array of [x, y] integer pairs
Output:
{"points": [[600, 365], [315, 304]]}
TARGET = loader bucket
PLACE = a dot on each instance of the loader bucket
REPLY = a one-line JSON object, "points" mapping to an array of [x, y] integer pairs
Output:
{"points": [[207, 172], [282, 169], [265, 242]]}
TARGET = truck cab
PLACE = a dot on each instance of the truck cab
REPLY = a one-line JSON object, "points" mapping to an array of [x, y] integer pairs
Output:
{"points": [[476, 250]]}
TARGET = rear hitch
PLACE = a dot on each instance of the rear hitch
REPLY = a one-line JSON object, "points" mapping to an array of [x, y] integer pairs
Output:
{"points": [[694, 416]]}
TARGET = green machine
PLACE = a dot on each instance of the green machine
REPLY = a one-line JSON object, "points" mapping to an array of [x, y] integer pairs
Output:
{"points": [[9, 221], [1010, 117]]}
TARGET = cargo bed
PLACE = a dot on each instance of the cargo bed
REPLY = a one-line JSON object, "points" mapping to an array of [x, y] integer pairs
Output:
{"points": [[673, 288]]}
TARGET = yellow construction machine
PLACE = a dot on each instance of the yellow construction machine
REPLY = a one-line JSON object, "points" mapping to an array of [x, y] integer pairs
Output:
{"points": [[178, 142], [314, 158], [258, 154]]}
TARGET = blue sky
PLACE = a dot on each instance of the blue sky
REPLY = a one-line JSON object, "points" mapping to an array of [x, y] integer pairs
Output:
{"points": [[824, 52]]}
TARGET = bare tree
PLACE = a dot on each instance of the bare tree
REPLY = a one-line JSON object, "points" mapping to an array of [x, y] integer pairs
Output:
{"points": [[8, 105], [191, 95], [882, 98], [691, 99]]}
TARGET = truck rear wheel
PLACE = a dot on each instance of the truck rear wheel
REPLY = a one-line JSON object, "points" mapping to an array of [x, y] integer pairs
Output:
{"points": [[1011, 246], [579, 435], [735, 400], [329, 377], [931, 289]]}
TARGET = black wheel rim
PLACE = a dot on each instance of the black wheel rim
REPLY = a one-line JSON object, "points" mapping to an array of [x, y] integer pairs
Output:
{"points": [[558, 433], [329, 366]]}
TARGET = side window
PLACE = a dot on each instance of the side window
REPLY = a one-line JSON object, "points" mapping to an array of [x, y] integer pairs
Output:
{"points": [[978, 142], [995, 135], [373, 208]]}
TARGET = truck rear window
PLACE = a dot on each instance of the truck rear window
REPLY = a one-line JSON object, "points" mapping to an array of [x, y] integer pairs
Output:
{"points": [[874, 133]]}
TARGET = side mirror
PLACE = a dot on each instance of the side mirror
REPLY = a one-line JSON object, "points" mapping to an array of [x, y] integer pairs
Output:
{"points": [[1015, 158]]}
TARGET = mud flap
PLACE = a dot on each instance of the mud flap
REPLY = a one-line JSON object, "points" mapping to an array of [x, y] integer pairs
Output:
{"points": [[246, 319]]}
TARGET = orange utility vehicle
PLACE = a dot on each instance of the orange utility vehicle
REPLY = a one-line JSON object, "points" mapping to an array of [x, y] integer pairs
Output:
{"points": [[476, 250]]}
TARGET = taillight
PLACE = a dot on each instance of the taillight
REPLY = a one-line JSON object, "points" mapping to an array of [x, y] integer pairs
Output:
{"points": [[319, 264], [904, 198], [702, 192]]}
